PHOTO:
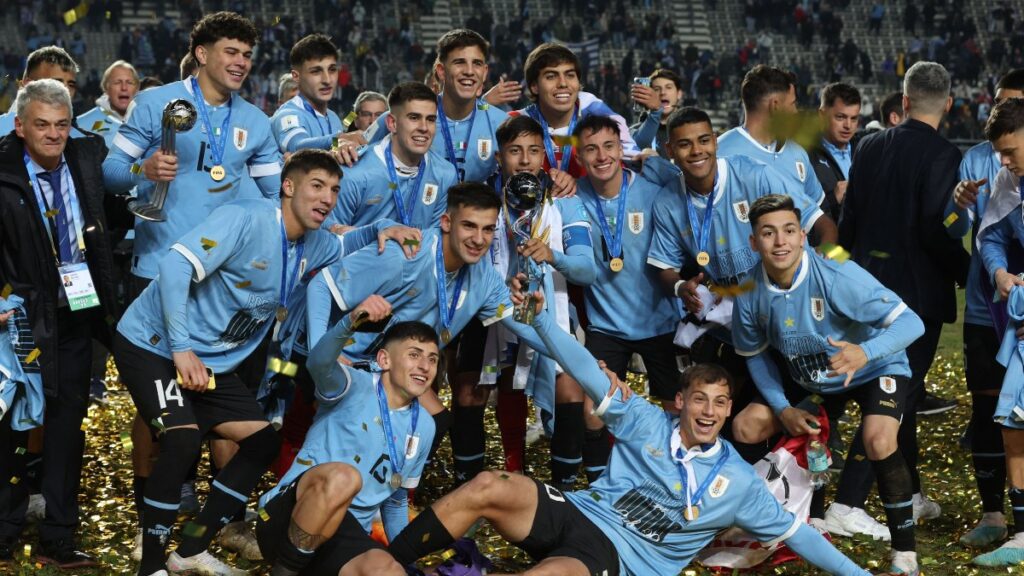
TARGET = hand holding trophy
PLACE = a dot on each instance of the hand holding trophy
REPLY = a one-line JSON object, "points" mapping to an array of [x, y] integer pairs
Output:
{"points": [[523, 197], [178, 116]]}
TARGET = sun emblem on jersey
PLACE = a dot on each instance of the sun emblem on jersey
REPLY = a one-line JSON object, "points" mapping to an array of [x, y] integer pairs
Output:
{"points": [[429, 194], [241, 137], [801, 171], [742, 210], [484, 148], [818, 308], [887, 384], [718, 487], [636, 222]]}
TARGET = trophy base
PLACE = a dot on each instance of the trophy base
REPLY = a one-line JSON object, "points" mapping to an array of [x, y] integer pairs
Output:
{"points": [[525, 312], [147, 212]]}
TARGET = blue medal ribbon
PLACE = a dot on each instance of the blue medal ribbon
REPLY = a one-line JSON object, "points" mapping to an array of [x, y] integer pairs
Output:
{"points": [[288, 284], [549, 146], [707, 480], [58, 202], [309, 108], [396, 193], [614, 242], [446, 310], [218, 143], [448, 142], [385, 418], [700, 239]]}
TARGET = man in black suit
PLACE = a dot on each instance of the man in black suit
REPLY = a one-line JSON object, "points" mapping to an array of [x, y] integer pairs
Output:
{"points": [[52, 226], [892, 224]]}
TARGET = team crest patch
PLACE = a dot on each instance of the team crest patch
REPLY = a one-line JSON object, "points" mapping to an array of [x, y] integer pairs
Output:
{"points": [[290, 121], [801, 171], [718, 487], [241, 137], [302, 267], [636, 222], [818, 308], [742, 210], [429, 194], [887, 384], [484, 148]]}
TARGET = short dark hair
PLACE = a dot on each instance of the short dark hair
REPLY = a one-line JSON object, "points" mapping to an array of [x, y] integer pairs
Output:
{"points": [[594, 123], [472, 195], [705, 374], [841, 90], [1006, 117], [149, 82], [312, 47], [410, 330], [547, 55], [409, 91], [771, 203], [1012, 80], [668, 75], [50, 55], [515, 126], [762, 81], [891, 104], [188, 66], [218, 25], [684, 116], [309, 159], [458, 39]]}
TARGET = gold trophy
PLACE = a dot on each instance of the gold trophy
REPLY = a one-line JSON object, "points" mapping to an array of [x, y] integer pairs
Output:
{"points": [[524, 195], [179, 116]]}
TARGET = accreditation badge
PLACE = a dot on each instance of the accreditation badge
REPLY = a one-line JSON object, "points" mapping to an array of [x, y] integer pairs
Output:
{"points": [[78, 286]]}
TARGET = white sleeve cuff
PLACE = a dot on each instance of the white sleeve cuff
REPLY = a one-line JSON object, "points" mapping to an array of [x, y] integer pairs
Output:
{"points": [[260, 170], [332, 286], [127, 146], [797, 523], [659, 264], [193, 259], [500, 316], [748, 354], [891, 317]]}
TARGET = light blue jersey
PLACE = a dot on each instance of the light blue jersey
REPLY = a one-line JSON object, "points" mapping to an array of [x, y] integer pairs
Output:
{"points": [[791, 161], [249, 151], [473, 141], [995, 241], [348, 428], [979, 162], [102, 120], [740, 182], [631, 303], [297, 125], [236, 262], [367, 195], [827, 299]]}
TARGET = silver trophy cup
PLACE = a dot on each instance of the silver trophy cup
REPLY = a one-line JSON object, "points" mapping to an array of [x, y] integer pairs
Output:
{"points": [[179, 116], [524, 194]]}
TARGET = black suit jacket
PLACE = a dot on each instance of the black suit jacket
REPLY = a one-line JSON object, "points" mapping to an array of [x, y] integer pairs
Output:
{"points": [[892, 217]]}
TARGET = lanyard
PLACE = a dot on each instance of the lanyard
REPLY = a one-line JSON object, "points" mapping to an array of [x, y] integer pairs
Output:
{"points": [[288, 285], [385, 417], [700, 238], [218, 143], [446, 132], [44, 206], [614, 242], [446, 310], [309, 108], [694, 498], [389, 159], [549, 147]]}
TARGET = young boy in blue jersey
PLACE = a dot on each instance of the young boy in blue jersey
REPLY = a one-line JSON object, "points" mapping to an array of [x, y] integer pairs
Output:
{"points": [[767, 94], [979, 167], [489, 356], [399, 177], [365, 450], [305, 120], [51, 62], [671, 486], [120, 84], [1005, 130], [219, 289], [841, 333]]}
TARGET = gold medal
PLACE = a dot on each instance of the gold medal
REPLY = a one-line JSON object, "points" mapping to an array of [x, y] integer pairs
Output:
{"points": [[217, 173], [446, 335], [396, 481], [703, 258], [615, 264], [691, 513], [282, 313]]}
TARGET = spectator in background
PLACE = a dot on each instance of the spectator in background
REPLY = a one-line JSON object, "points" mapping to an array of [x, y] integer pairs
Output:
{"points": [[287, 87], [840, 113], [368, 107]]}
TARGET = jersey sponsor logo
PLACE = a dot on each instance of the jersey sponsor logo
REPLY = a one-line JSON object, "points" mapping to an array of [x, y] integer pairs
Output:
{"points": [[636, 222], [429, 194], [718, 487], [241, 137], [246, 323], [891, 404], [484, 148], [742, 210], [818, 308], [382, 469], [290, 121], [887, 384], [646, 510], [801, 171]]}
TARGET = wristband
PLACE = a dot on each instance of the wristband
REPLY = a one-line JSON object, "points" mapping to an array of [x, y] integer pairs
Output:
{"points": [[675, 288]]}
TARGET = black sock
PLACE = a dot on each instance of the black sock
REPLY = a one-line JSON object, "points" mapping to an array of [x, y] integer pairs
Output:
{"points": [[139, 490], [193, 472], [1017, 502], [858, 477], [894, 489], [163, 494], [468, 446], [230, 491], [818, 503], [291, 559], [987, 453], [751, 453], [442, 423], [567, 444], [425, 534], [596, 450]]}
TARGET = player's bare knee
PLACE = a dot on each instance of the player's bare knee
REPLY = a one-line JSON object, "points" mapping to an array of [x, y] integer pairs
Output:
{"points": [[333, 483], [375, 563], [879, 445], [749, 429], [485, 489]]}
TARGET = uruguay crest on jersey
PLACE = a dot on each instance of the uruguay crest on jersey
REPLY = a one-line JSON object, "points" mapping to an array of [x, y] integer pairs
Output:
{"points": [[429, 194], [801, 171], [484, 148], [241, 136], [818, 308], [742, 210], [636, 222]]}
